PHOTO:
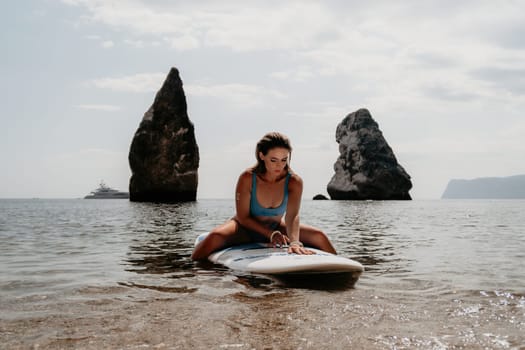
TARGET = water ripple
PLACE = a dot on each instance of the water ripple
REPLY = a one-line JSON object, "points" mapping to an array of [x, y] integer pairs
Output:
{"points": [[439, 274]]}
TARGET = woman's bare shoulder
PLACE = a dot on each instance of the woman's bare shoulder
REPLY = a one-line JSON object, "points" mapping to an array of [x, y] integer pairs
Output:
{"points": [[246, 176], [295, 180], [247, 173]]}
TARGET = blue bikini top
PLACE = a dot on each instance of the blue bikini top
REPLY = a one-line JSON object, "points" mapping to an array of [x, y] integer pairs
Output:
{"points": [[257, 210]]}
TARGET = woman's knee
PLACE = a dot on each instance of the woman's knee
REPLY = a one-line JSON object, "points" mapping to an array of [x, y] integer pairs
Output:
{"points": [[213, 241], [321, 240], [319, 235], [216, 239]]}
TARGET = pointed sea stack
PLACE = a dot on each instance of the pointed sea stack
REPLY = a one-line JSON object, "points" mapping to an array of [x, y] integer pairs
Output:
{"points": [[164, 156], [367, 167]]}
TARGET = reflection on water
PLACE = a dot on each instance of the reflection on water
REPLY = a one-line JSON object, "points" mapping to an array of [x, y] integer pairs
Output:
{"points": [[438, 274], [158, 252], [159, 288], [370, 238], [326, 282], [162, 241], [390, 239]]}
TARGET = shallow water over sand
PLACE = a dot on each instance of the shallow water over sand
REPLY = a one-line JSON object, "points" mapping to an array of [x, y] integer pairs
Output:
{"points": [[115, 274]]}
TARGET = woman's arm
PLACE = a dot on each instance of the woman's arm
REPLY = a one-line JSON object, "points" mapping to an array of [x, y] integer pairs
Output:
{"points": [[242, 206], [291, 219]]}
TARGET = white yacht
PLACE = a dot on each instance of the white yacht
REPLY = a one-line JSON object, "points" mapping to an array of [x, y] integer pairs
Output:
{"points": [[106, 192]]}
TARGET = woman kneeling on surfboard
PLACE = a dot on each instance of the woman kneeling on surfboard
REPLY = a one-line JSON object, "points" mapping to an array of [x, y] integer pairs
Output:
{"points": [[267, 201]]}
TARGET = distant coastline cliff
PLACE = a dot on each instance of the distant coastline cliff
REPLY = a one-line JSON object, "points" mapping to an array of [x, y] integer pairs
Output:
{"points": [[512, 187]]}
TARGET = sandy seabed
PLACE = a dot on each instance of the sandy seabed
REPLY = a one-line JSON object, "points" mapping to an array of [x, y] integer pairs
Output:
{"points": [[129, 318], [132, 316]]}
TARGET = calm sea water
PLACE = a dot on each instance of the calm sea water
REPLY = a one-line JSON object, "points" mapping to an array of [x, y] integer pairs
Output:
{"points": [[439, 274]]}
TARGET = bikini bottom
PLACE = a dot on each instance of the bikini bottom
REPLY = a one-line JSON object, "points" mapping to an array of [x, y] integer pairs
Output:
{"points": [[255, 236]]}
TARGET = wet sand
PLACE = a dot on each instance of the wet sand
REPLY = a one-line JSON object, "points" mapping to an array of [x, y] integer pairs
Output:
{"points": [[233, 314], [128, 318]]}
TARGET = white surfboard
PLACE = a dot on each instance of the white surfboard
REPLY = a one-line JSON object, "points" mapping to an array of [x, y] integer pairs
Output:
{"points": [[264, 259]]}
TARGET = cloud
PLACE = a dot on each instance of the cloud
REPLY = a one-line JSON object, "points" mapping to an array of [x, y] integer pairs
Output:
{"points": [[307, 25], [107, 44], [299, 25], [449, 93], [238, 95], [432, 59], [136, 17], [183, 42], [137, 83], [299, 74], [104, 108], [257, 27], [500, 24], [135, 43], [235, 94], [140, 44], [375, 47], [508, 79], [288, 25], [509, 34]]}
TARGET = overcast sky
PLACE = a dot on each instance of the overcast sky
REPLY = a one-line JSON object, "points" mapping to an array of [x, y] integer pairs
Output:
{"points": [[445, 80]]}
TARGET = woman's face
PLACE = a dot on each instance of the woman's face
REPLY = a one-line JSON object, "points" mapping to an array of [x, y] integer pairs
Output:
{"points": [[275, 160]]}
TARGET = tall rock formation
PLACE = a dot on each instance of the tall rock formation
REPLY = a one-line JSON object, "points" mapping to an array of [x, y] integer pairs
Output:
{"points": [[367, 167], [164, 156]]}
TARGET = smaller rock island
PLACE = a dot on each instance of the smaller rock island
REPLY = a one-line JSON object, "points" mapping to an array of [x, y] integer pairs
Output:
{"points": [[320, 197], [367, 167]]}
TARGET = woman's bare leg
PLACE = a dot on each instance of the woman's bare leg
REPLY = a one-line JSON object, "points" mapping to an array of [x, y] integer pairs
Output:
{"points": [[220, 237], [313, 237]]}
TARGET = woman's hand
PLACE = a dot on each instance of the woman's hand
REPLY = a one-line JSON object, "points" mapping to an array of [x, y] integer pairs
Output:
{"points": [[278, 239], [297, 247]]}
